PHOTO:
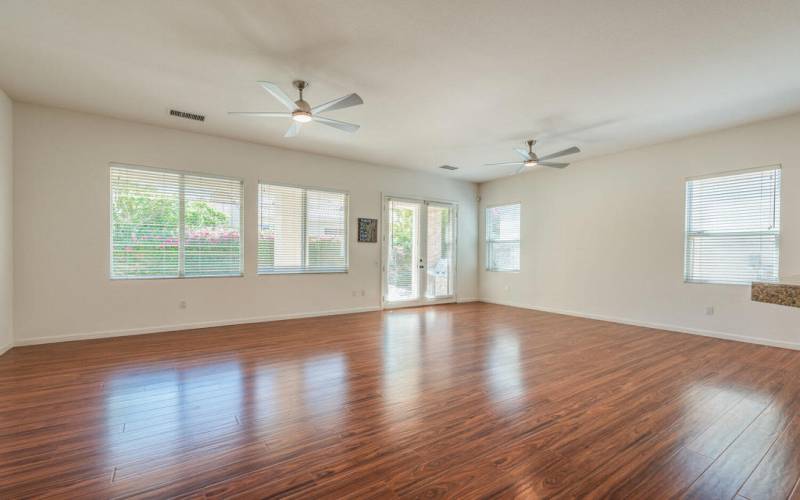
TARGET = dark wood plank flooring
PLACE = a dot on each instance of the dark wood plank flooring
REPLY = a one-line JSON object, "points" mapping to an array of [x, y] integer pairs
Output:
{"points": [[462, 401]]}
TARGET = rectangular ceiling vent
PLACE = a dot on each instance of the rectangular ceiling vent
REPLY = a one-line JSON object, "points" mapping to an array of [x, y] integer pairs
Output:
{"points": [[188, 116], [448, 167]]}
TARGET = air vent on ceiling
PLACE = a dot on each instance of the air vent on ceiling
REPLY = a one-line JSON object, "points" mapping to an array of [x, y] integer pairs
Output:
{"points": [[449, 167], [188, 116]]}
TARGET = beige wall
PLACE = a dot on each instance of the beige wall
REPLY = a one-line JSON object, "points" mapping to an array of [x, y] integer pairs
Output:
{"points": [[6, 220], [604, 238], [62, 235]]}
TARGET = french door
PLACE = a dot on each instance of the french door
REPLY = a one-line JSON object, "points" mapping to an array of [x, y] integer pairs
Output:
{"points": [[419, 249]]}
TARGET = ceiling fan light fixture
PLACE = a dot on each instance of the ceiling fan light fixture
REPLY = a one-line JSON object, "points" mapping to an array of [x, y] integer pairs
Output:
{"points": [[301, 116], [531, 159], [301, 112]]}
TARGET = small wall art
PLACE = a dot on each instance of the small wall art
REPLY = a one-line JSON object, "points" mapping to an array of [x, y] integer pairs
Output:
{"points": [[367, 230]]}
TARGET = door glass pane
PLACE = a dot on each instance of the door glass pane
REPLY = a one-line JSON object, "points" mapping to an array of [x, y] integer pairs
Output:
{"points": [[402, 276], [440, 251]]}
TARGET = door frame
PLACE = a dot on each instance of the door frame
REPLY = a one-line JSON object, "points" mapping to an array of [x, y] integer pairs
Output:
{"points": [[385, 197]]}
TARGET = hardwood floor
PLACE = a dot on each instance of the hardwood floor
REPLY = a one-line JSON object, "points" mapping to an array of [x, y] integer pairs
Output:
{"points": [[462, 401]]}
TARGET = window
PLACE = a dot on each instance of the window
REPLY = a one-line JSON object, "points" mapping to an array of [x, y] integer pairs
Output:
{"points": [[733, 227], [502, 237], [168, 224], [301, 230]]}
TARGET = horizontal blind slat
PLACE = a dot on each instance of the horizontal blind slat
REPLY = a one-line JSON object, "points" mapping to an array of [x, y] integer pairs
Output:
{"points": [[301, 230], [733, 228], [212, 226], [503, 237], [145, 231], [146, 224]]}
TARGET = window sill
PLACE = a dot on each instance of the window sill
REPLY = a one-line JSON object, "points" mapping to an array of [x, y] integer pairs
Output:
{"points": [[282, 273], [689, 282], [153, 278]]}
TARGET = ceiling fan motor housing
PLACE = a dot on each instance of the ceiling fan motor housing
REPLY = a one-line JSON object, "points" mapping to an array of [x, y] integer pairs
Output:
{"points": [[303, 106], [303, 112]]}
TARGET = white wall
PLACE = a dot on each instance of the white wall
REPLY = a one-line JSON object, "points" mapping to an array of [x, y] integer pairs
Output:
{"points": [[6, 223], [604, 238], [62, 234]]}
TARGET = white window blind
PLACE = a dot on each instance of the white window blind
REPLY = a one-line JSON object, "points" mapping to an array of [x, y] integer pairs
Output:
{"points": [[502, 237], [301, 230], [212, 223], [733, 227], [172, 224]]}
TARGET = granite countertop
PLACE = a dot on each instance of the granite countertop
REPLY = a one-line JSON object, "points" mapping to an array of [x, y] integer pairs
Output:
{"points": [[785, 293]]}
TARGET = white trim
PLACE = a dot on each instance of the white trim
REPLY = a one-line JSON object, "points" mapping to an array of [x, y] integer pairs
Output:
{"points": [[657, 326], [462, 300], [729, 173], [189, 326], [4, 349], [177, 171]]}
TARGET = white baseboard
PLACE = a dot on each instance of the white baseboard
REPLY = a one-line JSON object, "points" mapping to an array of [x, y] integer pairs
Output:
{"points": [[657, 326], [462, 300], [279, 317], [4, 349], [187, 326]]}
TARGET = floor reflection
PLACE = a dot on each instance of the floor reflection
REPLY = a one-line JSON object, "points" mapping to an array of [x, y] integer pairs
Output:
{"points": [[265, 400], [438, 349], [325, 387], [504, 372], [402, 367], [149, 413]]}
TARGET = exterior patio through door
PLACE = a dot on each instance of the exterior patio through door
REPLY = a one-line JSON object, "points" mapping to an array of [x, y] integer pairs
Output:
{"points": [[419, 249]]}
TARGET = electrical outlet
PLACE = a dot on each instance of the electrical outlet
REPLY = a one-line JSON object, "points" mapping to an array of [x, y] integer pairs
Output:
{"points": [[182, 304], [355, 293], [363, 293], [507, 288], [709, 310]]}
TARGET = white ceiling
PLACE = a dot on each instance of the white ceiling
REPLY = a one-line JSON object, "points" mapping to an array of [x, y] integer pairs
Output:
{"points": [[455, 82]]}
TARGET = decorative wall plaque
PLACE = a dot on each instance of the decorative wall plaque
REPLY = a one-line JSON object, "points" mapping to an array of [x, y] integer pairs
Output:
{"points": [[367, 230]]}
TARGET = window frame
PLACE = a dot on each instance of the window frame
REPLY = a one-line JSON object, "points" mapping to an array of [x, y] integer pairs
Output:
{"points": [[304, 225], [687, 217], [181, 222], [488, 243]]}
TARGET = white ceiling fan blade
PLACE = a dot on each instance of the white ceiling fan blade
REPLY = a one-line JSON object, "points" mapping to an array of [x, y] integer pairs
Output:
{"points": [[504, 163], [293, 130], [278, 94], [267, 114], [340, 103], [347, 127], [552, 164], [564, 152], [520, 169], [524, 154]]}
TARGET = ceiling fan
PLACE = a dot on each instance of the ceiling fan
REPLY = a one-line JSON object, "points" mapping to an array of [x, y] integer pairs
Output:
{"points": [[301, 112], [531, 160]]}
